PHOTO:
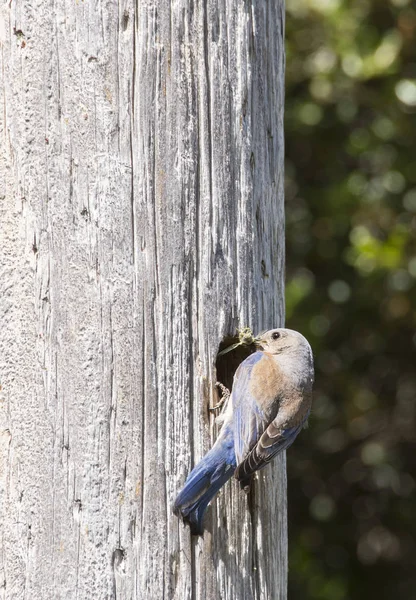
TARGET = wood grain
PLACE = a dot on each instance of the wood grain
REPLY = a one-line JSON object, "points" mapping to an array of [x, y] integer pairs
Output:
{"points": [[141, 207]]}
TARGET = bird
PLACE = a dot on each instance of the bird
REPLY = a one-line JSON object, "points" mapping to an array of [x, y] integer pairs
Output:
{"points": [[269, 404]]}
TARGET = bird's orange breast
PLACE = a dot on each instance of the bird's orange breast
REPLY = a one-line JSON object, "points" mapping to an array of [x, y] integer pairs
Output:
{"points": [[265, 380]]}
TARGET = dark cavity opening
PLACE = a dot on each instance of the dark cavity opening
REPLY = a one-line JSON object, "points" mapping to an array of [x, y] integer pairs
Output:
{"points": [[227, 364]]}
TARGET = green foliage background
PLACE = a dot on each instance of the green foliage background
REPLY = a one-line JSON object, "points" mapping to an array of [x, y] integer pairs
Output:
{"points": [[351, 289]]}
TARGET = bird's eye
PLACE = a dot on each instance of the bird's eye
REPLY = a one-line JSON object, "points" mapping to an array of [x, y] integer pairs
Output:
{"points": [[275, 335]]}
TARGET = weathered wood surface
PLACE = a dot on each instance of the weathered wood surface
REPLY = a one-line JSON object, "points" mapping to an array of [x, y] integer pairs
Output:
{"points": [[141, 221]]}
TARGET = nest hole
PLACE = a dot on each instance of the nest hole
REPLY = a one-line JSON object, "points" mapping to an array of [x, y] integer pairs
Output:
{"points": [[227, 364]]}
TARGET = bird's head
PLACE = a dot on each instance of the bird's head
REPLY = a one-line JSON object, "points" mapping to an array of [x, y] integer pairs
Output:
{"points": [[278, 341]]}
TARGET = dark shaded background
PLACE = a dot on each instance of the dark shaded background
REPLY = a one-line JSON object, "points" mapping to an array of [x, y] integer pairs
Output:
{"points": [[351, 289]]}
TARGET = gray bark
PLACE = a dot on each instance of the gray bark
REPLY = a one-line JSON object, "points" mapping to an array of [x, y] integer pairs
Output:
{"points": [[141, 222]]}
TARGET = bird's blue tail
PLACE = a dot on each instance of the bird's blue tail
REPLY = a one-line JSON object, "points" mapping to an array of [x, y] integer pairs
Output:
{"points": [[206, 479]]}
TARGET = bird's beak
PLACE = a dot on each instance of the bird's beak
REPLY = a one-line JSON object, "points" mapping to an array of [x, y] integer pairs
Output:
{"points": [[259, 342]]}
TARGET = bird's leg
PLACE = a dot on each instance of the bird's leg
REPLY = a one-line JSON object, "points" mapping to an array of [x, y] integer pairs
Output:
{"points": [[245, 484], [225, 395]]}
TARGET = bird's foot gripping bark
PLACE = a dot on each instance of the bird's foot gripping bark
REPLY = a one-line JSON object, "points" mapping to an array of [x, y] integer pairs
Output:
{"points": [[245, 484], [225, 396]]}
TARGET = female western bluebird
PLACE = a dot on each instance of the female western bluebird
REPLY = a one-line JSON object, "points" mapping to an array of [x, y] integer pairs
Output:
{"points": [[269, 404]]}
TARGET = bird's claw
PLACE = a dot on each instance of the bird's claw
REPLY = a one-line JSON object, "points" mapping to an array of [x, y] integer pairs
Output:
{"points": [[225, 395]]}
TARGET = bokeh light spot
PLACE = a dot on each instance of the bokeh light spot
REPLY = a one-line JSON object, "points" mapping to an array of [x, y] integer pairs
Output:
{"points": [[409, 200], [378, 543], [406, 91], [322, 507], [339, 291], [373, 453], [365, 399], [310, 113], [412, 266], [394, 182], [400, 280]]}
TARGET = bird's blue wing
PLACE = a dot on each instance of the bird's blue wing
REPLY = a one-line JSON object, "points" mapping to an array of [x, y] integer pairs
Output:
{"points": [[249, 418], [276, 437]]}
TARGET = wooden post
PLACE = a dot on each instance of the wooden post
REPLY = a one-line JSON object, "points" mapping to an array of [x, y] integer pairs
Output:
{"points": [[141, 186]]}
